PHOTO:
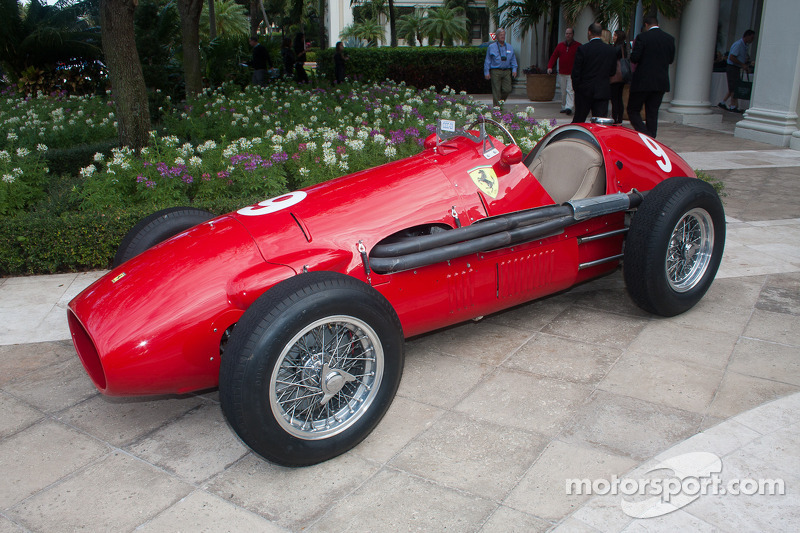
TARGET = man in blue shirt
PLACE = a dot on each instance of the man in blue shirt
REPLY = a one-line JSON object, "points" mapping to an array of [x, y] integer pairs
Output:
{"points": [[500, 66], [737, 61]]}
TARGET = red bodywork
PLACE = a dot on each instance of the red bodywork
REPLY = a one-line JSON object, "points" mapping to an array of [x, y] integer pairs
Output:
{"points": [[154, 325]]}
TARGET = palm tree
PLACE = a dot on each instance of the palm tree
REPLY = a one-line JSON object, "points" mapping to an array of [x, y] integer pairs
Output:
{"points": [[522, 15], [43, 35], [231, 20], [377, 8], [445, 24], [369, 30], [608, 10], [409, 27]]}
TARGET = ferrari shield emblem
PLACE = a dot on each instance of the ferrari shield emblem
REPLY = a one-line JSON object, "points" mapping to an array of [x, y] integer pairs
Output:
{"points": [[485, 179]]}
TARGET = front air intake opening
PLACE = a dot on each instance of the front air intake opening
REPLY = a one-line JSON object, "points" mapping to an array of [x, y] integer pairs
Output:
{"points": [[86, 351]]}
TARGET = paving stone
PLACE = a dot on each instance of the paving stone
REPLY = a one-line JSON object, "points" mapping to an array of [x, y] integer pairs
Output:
{"points": [[630, 427], [525, 401], [543, 491], [441, 380], [471, 455], [396, 501], [201, 511], [767, 360], [757, 512], [17, 360], [195, 446], [403, 422], [507, 520], [96, 499], [7, 526], [120, 421], [54, 387], [596, 327], [670, 341], [15, 415], [612, 300], [678, 384], [781, 294], [483, 342], [566, 359], [738, 393], [533, 316], [294, 498], [40, 455], [773, 415], [775, 327]]}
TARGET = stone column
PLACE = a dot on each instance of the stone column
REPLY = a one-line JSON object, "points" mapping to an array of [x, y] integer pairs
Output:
{"points": [[773, 114], [694, 65]]}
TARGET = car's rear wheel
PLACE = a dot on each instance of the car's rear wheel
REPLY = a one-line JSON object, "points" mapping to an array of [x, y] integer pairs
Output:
{"points": [[311, 368], [156, 228], [674, 246]]}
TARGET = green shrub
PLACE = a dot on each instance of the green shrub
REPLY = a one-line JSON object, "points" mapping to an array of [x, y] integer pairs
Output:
{"points": [[459, 68]]}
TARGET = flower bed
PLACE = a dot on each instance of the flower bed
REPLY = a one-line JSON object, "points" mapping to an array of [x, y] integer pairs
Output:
{"points": [[227, 147]]}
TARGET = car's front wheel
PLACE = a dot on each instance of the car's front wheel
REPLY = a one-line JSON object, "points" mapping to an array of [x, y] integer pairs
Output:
{"points": [[311, 368], [674, 246]]}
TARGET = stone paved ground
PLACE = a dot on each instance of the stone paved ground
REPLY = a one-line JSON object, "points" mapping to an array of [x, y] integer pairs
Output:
{"points": [[490, 419]]}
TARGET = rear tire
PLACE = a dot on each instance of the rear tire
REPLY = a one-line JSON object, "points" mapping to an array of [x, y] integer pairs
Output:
{"points": [[674, 246], [156, 228], [311, 368]]}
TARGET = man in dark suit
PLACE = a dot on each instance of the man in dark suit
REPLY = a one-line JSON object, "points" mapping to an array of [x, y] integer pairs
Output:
{"points": [[595, 63], [653, 52]]}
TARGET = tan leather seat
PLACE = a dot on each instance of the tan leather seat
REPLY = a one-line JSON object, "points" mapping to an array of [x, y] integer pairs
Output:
{"points": [[570, 169]]}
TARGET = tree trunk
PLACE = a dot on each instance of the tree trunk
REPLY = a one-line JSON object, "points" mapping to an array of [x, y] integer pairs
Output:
{"points": [[190, 33], [323, 38], [212, 20], [255, 17], [392, 30], [125, 70]]}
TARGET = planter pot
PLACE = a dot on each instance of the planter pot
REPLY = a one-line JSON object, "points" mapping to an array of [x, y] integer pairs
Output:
{"points": [[541, 87]]}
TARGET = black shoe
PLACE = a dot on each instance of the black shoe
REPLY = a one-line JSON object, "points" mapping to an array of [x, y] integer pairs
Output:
{"points": [[722, 106], [736, 110], [563, 111], [568, 112]]}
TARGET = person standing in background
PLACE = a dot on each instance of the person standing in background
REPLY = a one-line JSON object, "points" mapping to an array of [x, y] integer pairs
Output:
{"points": [[500, 66], [565, 55], [595, 63], [653, 53], [617, 81], [737, 62], [259, 62]]}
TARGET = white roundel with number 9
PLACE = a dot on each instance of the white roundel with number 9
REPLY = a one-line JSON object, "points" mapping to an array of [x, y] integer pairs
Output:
{"points": [[273, 204], [663, 159]]}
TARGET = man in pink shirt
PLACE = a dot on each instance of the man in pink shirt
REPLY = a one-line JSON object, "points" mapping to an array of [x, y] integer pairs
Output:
{"points": [[565, 55]]}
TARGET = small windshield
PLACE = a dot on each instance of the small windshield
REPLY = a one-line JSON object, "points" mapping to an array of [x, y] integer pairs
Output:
{"points": [[447, 129]]}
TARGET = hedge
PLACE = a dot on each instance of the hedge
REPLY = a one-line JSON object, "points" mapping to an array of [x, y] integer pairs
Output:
{"points": [[42, 242], [459, 68]]}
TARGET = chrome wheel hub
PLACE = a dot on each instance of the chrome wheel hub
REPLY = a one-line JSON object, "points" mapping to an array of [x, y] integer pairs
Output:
{"points": [[689, 251], [326, 377]]}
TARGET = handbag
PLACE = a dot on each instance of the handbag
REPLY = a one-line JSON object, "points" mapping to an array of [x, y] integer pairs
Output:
{"points": [[744, 88], [625, 69]]}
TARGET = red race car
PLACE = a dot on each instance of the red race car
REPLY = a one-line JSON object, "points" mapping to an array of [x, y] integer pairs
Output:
{"points": [[297, 307]]}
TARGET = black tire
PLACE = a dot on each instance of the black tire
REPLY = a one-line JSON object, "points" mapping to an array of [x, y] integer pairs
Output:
{"points": [[665, 274], [156, 228], [272, 367]]}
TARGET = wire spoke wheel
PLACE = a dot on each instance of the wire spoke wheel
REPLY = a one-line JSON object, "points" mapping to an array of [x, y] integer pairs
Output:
{"points": [[326, 377], [689, 251]]}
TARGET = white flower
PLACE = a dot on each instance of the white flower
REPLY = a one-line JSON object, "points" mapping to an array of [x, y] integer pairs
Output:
{"points": [[304, 171], [8, 178], [11, 136], [98, 157], [390, 151], [179, 161], [22, 151], [17, 172], [5, 156], [195, 161], [41, 147], [88, 171]]}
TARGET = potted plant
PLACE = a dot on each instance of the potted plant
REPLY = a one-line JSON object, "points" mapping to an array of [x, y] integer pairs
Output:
{"points": [[541, 86]]}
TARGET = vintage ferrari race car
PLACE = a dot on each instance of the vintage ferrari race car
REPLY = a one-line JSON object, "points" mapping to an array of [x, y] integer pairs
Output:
{"points": [[297, 307]]}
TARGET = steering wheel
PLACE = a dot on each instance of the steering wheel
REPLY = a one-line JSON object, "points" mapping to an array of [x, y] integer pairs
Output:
{"points": [[493, 122]]}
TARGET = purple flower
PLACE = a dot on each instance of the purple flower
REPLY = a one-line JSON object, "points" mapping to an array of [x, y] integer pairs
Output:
{"points": [[187, 179], [150, 184]]}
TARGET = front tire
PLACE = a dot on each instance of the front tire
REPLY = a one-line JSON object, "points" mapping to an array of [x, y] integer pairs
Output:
{"points": [[311, 368], [674, 246], [156, 228]]}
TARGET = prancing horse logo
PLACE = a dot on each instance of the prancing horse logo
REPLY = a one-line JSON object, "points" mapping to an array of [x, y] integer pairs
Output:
{"points": [[486, 180]]}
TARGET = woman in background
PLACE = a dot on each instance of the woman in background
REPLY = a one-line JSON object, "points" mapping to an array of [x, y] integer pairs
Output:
{"points": [[617, 82]]}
